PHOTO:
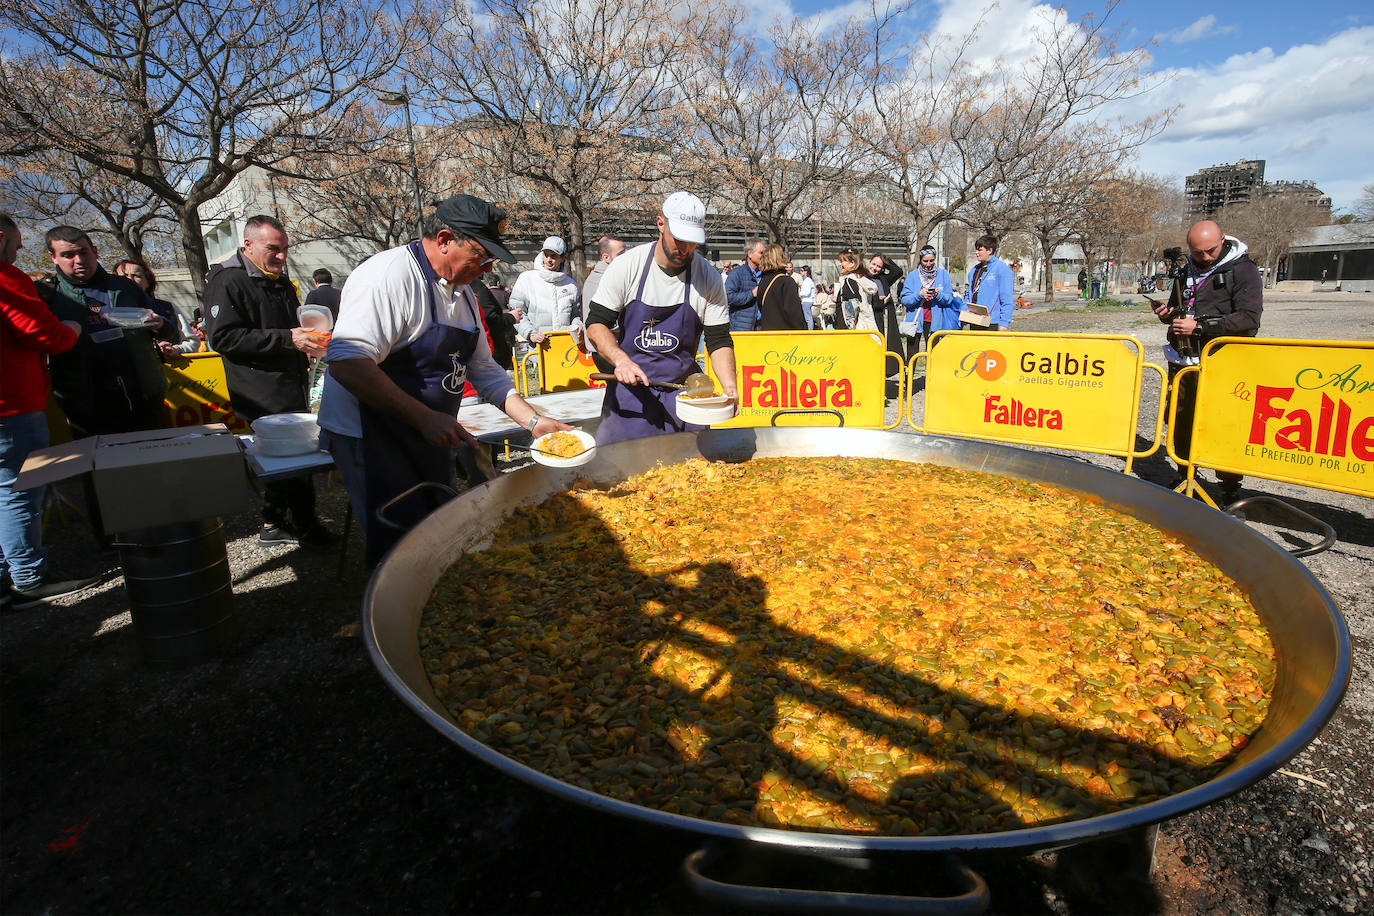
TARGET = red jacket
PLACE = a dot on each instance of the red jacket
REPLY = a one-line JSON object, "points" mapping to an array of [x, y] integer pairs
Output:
{"points": [[28, 332]]}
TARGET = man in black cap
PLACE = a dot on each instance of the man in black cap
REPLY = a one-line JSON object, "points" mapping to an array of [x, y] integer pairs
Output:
{"points": [[408, 336]]}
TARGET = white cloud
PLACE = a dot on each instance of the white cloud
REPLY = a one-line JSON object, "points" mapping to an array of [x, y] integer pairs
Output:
{"points": [[1204, 27], [1306, 110]]}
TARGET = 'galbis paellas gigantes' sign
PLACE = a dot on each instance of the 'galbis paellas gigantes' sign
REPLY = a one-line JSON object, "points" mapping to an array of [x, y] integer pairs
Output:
{"points": [[1300, 411], [1059, 390]]}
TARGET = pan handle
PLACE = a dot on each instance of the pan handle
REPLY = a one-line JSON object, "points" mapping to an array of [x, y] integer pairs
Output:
{"points": [[1327, 532], [834, 413], [750, 898], [381, 510]]}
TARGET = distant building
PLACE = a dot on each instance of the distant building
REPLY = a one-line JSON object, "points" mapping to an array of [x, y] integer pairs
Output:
{"points": [[1210, 189], [817, 240], [1305, 191], [1333, 257]]}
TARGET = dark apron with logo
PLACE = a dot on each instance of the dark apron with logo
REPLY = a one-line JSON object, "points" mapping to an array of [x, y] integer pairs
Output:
{"points": [[662, 341], [432, 369]]}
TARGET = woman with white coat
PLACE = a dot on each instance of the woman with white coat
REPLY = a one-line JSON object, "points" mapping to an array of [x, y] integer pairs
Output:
{"points": [[547, 296]]}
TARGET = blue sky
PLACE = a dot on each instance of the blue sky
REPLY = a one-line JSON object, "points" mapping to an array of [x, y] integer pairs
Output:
{"points": [[1290, 83]]}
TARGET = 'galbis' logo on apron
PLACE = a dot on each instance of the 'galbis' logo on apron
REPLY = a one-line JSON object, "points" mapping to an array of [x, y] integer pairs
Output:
{"points": [[654, 339]]}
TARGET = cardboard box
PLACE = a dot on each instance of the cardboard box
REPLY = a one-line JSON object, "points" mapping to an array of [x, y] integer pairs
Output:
{"points": [[152, 478]]}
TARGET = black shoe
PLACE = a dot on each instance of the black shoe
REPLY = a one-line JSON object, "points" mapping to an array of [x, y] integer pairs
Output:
{"points": [[47, 590], [1230, 492], [277, 536], [316, 535]]}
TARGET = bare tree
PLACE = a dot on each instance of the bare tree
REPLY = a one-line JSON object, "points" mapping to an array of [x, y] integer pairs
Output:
{"points": [[773, 123], [1164, 227], [1364, 205], [576, 100], [1116, 208], [180, 96], [54, 187], [362, 192], [1269, 225], [961, 132]]}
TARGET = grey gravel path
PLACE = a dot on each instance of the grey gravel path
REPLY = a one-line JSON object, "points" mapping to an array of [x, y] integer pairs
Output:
{"points": [[286, 778]]}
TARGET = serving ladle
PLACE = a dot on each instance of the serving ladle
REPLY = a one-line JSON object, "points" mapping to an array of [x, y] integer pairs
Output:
{"points": [[698, 384]]}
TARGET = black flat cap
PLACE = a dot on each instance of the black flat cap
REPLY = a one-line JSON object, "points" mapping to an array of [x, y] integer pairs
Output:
{"points": [[479, 219]]}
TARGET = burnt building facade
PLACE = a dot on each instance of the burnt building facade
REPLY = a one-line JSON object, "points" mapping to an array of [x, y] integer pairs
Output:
{"points": [[1208, 190]]}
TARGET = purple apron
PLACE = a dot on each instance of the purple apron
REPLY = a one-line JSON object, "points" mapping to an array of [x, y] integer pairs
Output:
{"points": [[662, 341], [432, 370]]}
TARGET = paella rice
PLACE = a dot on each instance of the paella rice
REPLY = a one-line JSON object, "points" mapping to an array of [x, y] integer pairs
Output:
{"points": [[849, 645]]}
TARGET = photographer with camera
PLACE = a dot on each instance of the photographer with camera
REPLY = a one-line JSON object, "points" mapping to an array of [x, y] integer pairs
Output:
{"points": [[1217, 292]]}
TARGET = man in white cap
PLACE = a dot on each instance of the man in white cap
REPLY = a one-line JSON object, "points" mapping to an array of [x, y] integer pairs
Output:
{"points": [[659, 298], [546, 296]]}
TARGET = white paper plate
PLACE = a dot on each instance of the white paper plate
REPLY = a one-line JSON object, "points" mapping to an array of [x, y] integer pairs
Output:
{"points": [[286, 448], [704, 416], [588, 442], [285, 426], [715, 400]]}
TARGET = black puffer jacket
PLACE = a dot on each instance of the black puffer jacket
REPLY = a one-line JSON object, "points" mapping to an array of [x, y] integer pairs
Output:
{"points": [[248, 321], [1230, 300]]}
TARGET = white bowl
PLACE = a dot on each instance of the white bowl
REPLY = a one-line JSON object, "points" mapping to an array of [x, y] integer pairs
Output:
{"points": [[588, 443], [689, 412]]}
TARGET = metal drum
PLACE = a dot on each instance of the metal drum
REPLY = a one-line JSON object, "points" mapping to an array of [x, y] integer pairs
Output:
{"points": [[180, 596], [1310, 637]]}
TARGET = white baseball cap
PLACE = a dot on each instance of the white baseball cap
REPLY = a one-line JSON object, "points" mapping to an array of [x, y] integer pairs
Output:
{"points": [[686, 216], [555, 244]]}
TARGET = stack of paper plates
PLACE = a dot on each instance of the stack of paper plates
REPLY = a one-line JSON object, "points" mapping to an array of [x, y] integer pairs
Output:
{"points": [[281, 435]]}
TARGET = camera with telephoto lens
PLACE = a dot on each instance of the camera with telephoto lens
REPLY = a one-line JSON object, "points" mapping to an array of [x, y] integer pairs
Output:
{"points": [[1177, 272]]}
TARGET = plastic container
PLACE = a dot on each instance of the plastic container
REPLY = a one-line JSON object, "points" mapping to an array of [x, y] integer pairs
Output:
{"points": [[315, 318], [129, 317]]}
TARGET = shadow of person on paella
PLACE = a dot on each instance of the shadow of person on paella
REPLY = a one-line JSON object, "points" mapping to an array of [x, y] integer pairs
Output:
{"points": [[681, 687]]}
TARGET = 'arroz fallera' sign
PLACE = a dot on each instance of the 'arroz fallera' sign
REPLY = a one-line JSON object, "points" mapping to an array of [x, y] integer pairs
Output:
{"points": [[1300, 411], [197, 394], [1060, 390], [837, 370]]}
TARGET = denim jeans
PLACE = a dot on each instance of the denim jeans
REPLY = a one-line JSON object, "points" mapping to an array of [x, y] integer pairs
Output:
{"points": [[22, 556]]}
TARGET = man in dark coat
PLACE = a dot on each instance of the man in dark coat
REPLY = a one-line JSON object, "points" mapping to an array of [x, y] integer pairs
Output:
{"points": [[251, 322], [324, 293], [112, 380], [1222, 295]]}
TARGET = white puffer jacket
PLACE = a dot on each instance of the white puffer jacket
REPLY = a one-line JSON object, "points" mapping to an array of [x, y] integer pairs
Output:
{"points": [[550, 303]]}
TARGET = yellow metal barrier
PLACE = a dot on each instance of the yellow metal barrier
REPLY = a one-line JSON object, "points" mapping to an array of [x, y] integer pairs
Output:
{"points": [[197, 392], [1079, 392], [1296, 411], [839, 371]]}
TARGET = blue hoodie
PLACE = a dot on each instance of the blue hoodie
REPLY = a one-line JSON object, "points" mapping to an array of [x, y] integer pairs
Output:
{"points": [[944, 308], [995, 291]]}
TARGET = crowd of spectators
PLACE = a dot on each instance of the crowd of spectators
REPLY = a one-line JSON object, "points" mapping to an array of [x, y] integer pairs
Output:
{"points": [[98, 339]]}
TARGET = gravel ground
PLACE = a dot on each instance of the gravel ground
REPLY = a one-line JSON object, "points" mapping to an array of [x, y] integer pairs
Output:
{"points": [[284, 777]]}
